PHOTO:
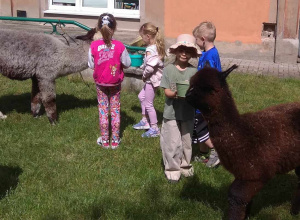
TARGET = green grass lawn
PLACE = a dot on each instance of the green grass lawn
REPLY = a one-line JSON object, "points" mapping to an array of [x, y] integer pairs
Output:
{"points": [[59, 172]]}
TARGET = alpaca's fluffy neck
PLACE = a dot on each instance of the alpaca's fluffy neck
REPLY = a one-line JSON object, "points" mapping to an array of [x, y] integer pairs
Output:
{"points": [[224, 124], [224, 110], [223, 115], [75, 59]]}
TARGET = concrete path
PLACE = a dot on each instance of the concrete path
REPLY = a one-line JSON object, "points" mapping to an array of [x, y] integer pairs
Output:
{"points": [[282, 70]]}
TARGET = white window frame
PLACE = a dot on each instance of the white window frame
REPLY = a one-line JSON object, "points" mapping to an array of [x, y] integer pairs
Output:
{"points": [[80, 10]]}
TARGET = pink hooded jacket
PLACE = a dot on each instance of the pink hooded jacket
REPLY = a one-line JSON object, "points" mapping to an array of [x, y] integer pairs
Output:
{"points": [[153, 69]]}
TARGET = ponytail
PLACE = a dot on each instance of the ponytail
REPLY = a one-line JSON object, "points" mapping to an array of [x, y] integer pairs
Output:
{"points": [[160, 43], [107, 34]]}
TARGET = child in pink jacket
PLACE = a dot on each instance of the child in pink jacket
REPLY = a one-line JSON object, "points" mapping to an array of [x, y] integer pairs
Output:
{"points": [[108, 57]]}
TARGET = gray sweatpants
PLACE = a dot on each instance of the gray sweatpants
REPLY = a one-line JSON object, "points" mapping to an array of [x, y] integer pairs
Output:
{"points": [[176, 146]]}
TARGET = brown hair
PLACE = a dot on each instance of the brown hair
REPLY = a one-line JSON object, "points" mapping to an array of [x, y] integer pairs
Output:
{"points": [[107, 25], [156, 33], [205, 29]]}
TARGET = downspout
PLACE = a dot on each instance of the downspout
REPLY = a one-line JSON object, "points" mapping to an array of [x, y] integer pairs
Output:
{"points": [[275, 34], [12, 7]]}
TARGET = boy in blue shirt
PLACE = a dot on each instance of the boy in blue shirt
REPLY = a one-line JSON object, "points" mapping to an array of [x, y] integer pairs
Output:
{"points": [[205, 34]]}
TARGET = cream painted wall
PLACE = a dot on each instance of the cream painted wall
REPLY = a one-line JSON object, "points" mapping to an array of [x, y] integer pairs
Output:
{"points": [[154, 12], [30, 6], [235, 20], [5, 9]]}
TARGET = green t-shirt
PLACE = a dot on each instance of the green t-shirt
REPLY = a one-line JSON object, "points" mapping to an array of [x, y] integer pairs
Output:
{"points": [[177, 109]]}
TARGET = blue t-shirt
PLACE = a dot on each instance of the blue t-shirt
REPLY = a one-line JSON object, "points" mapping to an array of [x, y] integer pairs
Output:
{"points": [[209, 58]]}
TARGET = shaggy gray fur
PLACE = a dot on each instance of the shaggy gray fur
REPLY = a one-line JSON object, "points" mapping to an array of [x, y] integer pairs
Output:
{"points": [[42, 58]]}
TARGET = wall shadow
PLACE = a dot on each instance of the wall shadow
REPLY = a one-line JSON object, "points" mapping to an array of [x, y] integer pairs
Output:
{"points": [[9, 179]]}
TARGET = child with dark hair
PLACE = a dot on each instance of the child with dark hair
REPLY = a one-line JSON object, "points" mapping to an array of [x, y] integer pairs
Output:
{"points": [[108, 57]]}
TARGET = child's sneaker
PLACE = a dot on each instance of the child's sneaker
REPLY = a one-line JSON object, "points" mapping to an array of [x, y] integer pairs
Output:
{"points": [[187, 172], [152, 132], [214, 160], [102, 143], [2, 116], [115, 144], [141, 125], [201, 159]]}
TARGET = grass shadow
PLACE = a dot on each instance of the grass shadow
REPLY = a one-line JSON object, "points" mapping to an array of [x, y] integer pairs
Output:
{"points": [[21, 103], [151, 205], [196, 190], [125, 122], [136, 108], [277, 192], [9, 179], [66, 102]]}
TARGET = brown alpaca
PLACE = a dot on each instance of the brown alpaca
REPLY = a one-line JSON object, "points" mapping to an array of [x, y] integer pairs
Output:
{"points": [[273, 133]]}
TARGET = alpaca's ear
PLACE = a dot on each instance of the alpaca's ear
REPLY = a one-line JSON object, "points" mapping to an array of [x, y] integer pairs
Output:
{"points": [[229, 70]]}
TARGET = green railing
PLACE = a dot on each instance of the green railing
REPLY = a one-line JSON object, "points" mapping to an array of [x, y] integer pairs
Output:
{"points": [[59, 22], [53, 22]]}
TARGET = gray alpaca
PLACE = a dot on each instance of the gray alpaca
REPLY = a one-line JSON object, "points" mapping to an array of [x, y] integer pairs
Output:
{"points": [[41, 58]]}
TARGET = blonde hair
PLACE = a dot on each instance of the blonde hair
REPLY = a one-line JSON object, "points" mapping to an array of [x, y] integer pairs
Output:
{"points": [[156, 33], [205, 29]]}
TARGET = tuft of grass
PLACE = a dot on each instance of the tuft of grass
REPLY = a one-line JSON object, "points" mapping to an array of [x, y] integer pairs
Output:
{"points": [[59, 172]]}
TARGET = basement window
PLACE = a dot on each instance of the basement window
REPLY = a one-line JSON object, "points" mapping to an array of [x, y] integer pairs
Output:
{"points": [[268, 30]]}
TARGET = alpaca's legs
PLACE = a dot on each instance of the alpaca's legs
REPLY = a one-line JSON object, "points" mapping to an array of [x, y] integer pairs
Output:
{"points": [[296, 202], [36, 99], [47, 89], [240, 196]]}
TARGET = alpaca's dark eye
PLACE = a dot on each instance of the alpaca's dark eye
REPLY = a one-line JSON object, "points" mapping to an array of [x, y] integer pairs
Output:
{"points": [[207, 89]]}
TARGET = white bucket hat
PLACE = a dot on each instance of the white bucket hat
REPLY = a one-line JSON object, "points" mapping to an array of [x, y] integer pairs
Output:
{"points": [[186, 40]]}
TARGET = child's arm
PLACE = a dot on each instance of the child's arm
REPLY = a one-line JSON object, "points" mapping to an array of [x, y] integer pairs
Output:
{"points": [[125, 59], [150, 65], [91, 60], [170, 94]]}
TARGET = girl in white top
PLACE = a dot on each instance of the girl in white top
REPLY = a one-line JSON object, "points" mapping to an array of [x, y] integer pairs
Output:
{"points": [[153, 69]]}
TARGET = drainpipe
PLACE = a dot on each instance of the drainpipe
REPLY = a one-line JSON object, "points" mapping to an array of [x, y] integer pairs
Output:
{"points": [[275, 43], [12, 7]]}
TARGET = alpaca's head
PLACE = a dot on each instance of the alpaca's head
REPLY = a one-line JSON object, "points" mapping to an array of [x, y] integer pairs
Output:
{"points": [[207, 87]]}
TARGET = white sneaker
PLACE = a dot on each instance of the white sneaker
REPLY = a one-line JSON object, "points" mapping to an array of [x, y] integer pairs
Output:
{"points": [[2, 116], [102, 143]]}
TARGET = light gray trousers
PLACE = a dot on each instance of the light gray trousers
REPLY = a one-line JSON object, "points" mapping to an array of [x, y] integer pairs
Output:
{"points": [[176, 146]]}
